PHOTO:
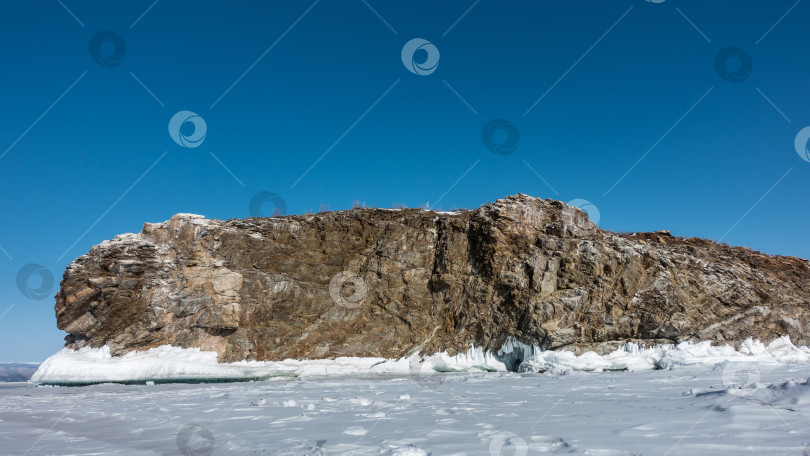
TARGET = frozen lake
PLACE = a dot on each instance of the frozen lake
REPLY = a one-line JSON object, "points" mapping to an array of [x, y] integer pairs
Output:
{"points": [[690, 410]]}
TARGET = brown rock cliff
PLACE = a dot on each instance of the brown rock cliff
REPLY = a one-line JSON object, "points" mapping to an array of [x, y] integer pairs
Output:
{"points": [[389, 283]]}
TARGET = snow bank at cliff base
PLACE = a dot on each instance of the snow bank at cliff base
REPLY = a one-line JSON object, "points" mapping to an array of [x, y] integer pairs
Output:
{"points": [[167, 363], [175, 364], [632, 357]]}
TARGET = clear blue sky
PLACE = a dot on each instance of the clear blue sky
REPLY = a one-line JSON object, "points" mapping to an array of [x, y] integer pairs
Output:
{"points": [[589, 86]]}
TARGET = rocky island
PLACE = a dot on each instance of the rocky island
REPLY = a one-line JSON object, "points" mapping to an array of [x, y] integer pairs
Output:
{"points": [[392, 283]]}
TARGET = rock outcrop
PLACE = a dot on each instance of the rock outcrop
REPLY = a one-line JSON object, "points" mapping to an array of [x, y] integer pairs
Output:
{"points": [[390, 283]]}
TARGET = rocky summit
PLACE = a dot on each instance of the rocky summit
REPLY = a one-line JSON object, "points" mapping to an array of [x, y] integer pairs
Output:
{"points": [[392, 283]]}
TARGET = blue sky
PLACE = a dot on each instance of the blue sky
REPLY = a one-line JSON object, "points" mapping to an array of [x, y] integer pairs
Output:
{"points": [[618, 103]]}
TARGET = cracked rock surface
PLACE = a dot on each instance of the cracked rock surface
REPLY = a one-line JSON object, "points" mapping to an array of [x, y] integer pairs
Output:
{"points": [[389, 283]]}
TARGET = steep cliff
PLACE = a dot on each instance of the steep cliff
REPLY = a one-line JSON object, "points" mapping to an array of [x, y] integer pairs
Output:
{"points": [[375, 282]]}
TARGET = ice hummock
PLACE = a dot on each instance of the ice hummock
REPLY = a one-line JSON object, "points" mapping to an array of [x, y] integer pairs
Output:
{"points": [[633, 357], [174, 364]]}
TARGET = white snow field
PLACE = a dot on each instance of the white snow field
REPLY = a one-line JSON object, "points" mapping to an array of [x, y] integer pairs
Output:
{"points": [[692, 399]]}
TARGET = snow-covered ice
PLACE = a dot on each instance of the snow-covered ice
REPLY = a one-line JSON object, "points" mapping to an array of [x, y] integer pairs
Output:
{"points": [[688, 410], [689, 399]]}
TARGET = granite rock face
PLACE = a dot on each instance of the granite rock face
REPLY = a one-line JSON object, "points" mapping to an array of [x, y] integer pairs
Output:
{"points": [[390, 283]]}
